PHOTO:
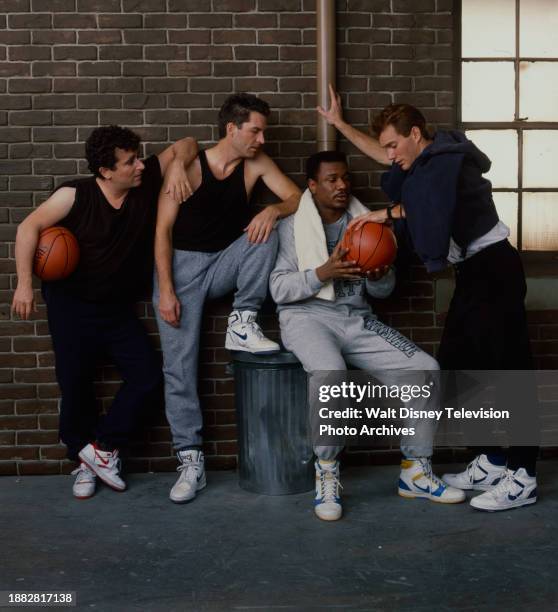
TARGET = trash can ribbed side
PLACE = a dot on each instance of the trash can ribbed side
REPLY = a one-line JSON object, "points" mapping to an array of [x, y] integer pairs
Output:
{"points": [[275, 453]]}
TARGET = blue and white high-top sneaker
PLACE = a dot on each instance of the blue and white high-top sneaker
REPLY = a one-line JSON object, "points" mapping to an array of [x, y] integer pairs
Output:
{"points": [[515, 489], [479, 475], [418, 480], [244, 334], [192, 476], [327, 504]]}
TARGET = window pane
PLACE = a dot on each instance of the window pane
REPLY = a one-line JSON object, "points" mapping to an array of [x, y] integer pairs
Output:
{"points": [[488, 91], [538, 27], [538, 91], [540, 221], [488, 28], [540, 152], [506, 205], [501, 147]]}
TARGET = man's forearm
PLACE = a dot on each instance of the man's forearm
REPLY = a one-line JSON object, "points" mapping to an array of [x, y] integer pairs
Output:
{"points": [[367, 144], [185, 150], [163, 261], [287, 207], [25, 247]]}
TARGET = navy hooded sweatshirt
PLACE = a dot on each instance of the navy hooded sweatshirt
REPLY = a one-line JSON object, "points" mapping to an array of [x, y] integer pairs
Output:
{"points": [[444, 195]]}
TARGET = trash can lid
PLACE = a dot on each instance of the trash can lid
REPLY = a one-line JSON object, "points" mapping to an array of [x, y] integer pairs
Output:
{"points": [[281, 358]]}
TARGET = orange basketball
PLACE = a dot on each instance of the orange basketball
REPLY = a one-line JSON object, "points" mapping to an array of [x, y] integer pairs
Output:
{"points": [[57, 254], [372, 246]]}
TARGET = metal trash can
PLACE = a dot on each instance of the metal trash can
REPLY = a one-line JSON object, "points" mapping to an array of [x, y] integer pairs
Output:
{"points": [[275, 452]]}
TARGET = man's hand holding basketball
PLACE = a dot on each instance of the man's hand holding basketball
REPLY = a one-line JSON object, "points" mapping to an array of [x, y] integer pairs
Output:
{"points": [[336, 267], [377, 274]]}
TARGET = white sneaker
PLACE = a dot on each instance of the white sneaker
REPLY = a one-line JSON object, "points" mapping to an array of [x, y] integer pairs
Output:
{"points": [[479, 475], [84, 485], [192, 476], [327, 504], [105, 464], [418, 480], [244, 334], [515, 489]]}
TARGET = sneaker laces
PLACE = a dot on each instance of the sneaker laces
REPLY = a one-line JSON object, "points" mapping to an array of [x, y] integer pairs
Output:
{"points": [[185, 466], [256, 329], [329, 486], [504, 485], [83, 474], [429, 474]]}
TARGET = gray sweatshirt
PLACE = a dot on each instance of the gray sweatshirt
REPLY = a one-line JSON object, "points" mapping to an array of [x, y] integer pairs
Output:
{"points": [[295, 290]]}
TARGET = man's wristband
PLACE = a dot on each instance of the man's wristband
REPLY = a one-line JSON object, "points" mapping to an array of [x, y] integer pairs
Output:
{"points": [[389, 214]]}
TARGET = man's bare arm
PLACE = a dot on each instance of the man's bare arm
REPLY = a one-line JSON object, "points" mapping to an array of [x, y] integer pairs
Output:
{"points": [[169, 306], [47, 214], [366, 143], [261, 225], [174, 161]]}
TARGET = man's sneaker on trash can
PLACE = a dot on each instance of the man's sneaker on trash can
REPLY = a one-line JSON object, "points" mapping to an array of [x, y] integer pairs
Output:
{"points": [[84, 484], [327, 504], [479, 475], [192, 476], [105, 464], [515, 489], [418, 480], [244, 334]]}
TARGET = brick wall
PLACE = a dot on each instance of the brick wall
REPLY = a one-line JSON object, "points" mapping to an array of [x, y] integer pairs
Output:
{"points": [[163, 67]]}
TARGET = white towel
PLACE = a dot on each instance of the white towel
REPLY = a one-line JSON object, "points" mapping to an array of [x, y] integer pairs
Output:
{"points": [[310, 240]]}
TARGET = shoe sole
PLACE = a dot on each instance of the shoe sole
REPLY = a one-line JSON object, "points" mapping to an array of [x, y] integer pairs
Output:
{"points": [[247, 350], [84, 496], [189, 499], [109, 483], [469, 487], [436, 500], [328, 520], [527, 502]]}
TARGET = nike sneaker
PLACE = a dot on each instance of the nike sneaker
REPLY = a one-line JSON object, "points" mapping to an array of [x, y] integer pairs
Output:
{"points": [[105, 464], [515, 489], [327, 504], [192, 476], [244, 334], [418, 480], [84, 484], [479, 475]]}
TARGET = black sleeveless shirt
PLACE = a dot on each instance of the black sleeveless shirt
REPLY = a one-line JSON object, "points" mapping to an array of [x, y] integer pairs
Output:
{"points": [[116, 245], [215, 215]]}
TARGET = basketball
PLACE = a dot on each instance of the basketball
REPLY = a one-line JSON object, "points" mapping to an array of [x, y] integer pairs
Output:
{"points": [[372, 246], [57, 254]]}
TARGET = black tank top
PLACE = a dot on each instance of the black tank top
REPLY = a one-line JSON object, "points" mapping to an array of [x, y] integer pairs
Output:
{"points": [[116, 245], [215, 215]]}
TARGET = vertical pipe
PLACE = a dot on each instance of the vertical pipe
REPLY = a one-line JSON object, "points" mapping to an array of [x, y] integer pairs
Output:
{"points": [[325, 43]]}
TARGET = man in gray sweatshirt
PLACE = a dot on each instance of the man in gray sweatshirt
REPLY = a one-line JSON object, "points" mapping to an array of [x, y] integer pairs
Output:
{"points": [[328, 324]]}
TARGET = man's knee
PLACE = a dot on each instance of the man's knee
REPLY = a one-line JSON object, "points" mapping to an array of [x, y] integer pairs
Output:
{"points": [[269, 246], [424, 361]]}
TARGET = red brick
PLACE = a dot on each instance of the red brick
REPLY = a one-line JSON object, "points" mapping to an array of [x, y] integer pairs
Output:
{"points": [[8, 468], [39, 467], [18, 453]]}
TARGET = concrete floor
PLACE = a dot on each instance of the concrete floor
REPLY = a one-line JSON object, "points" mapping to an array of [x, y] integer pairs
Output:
{"points": [[233, 550]]}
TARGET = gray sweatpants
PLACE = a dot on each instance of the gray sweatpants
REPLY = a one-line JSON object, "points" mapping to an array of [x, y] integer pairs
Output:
{"points": [[199, 276], [323, 341]]}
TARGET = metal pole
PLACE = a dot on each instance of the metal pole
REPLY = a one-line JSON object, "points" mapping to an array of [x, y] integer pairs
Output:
{"points": [[325, 42]]}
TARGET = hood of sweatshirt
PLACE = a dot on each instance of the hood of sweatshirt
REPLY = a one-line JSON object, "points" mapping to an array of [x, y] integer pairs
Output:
{"points": [[453, 141]]}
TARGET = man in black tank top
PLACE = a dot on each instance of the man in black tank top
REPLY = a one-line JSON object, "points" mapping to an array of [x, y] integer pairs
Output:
{"points": [[206, 247], [112, 214]]}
